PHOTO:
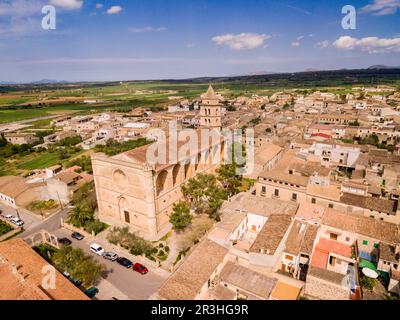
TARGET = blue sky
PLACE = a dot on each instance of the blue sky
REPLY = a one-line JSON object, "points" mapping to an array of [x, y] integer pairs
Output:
{"points": [[158, 39]]}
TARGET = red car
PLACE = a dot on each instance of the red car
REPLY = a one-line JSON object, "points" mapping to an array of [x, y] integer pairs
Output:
{"points": [[140, 268]]}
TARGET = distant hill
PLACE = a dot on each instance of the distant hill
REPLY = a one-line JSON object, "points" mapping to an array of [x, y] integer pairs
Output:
{"points": [[47, 81], [375, 75], [308, 79], [252, 73], [7, 82], [381, 66]]}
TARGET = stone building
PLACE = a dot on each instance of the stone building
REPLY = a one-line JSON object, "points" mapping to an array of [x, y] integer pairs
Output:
{"points": [[210, 110], [133, 192]]}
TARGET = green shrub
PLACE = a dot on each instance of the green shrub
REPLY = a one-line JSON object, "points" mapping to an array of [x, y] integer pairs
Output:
{"points": [[4, 227], [95, 226], [368, 283]]}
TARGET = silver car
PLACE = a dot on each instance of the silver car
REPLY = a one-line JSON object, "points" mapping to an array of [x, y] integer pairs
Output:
{"points": [[110, 256]]}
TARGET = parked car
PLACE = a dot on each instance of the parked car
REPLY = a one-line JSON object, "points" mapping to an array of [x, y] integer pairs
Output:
{"points": [[124, 262], [18, 222], [140, 268], [91, 292], [110, 256], [9, 217], [65, 241], [76, 282], [95, 248], [77, 236]]}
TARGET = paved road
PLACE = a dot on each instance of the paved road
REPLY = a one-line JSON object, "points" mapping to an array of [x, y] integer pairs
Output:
{"points": [[51, 224], [119, 282], [30, 219], [132, 284]]}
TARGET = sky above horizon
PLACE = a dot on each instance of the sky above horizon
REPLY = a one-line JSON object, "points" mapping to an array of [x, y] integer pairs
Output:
{"points": [[111, 40]]}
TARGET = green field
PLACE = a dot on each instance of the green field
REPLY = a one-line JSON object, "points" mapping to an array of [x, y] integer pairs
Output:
{"points": [[44, 160]]}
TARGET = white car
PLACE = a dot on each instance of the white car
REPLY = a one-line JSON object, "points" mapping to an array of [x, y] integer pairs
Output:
{"points": [[95, 248], [9, 217], [17, 222]]}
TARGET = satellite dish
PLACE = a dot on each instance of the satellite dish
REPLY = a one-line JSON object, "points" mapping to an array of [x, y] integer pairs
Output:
{"points": [[370, 273]]}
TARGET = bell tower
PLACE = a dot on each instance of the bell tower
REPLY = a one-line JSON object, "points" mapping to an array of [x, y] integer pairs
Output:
{"points": [[210, 110]]}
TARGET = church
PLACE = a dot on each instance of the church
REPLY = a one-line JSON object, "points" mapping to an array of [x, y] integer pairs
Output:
{"points": [[131, 191]]}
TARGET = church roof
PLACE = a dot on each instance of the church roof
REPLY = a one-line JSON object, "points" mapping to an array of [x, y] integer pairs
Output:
{"points": [[210, 94]]}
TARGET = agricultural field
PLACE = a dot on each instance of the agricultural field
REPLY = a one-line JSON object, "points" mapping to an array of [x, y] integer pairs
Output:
{"points": [[24, 102]]}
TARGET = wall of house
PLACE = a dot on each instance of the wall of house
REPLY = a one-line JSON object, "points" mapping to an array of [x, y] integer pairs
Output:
{"points": [[285, 193], [343, 236], [7, 200], [289, 260], [368, 248], [255, 220], [56, 190], [341, 265]]}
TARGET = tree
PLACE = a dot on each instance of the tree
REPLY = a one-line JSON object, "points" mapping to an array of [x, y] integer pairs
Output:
{"points": [[63, 154], [85, 195], [180, 217], [121, 236], [81, 216], [3, 141], [196, 189], [79, 265], [229, 179], [95, 226]]}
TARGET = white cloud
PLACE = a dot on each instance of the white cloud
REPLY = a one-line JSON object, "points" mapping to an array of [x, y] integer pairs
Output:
{"points": [[67, 4], [323, 44], [99, 5], [296, 44], [114, 10], [20, 8], [300, 38], [368, 44], [242, 41], [311, 35], [147, 29], [382, 7]]}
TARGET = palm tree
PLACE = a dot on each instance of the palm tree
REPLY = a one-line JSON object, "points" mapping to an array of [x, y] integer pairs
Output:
{"points": [[81, 215]]}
